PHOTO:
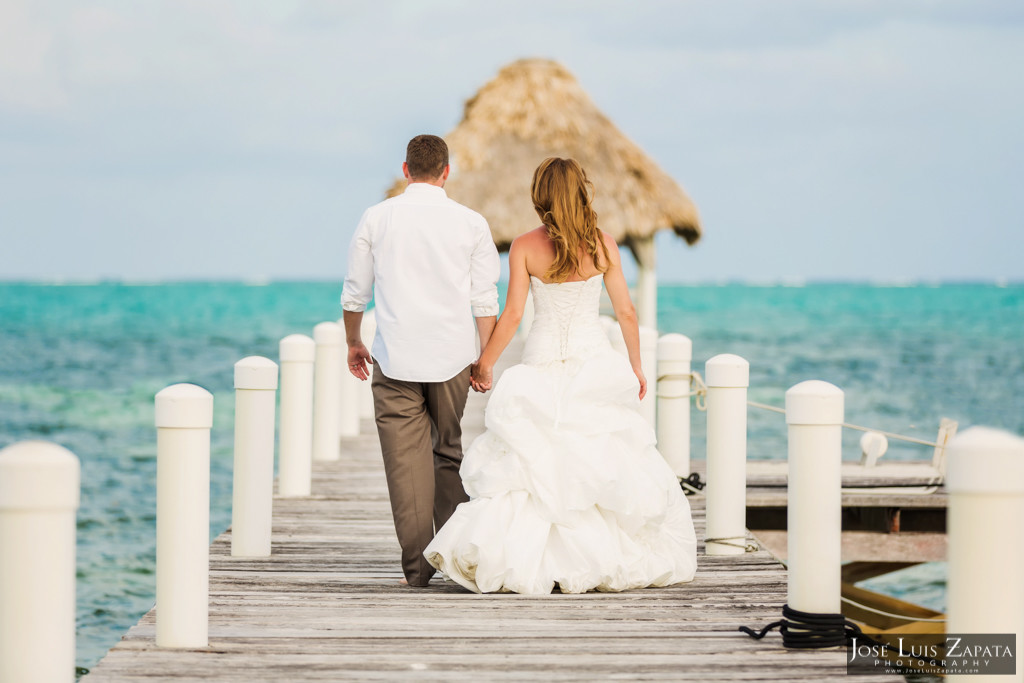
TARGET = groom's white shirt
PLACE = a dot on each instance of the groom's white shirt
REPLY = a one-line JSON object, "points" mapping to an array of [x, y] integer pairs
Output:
{"points": [[430, 265]]}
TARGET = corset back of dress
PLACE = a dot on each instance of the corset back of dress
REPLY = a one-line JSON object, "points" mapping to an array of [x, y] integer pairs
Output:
{"points": [[566, 324]]}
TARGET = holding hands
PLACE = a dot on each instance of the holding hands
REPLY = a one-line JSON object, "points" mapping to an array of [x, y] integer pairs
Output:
{"points": [[481, 377]]}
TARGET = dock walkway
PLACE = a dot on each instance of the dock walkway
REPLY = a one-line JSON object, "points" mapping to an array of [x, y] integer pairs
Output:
{"points": [[327, 606]]}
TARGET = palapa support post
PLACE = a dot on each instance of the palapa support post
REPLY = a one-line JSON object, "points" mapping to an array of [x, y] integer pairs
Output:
{"points": [[39, 495], [649, 363], [814, 415], [646, 253], [672, 385], [184, 417], [367, 331], [727, 377], [348, 397], [297, 354], [253, 487], [329, 339], [985, 481]]}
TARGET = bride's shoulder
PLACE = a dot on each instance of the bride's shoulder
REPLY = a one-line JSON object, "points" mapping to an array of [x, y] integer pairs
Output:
{"points": [[533, 242], [612, 246], [532, 237]]}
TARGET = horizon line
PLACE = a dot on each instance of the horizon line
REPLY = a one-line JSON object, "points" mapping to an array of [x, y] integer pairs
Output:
{"points": [[782, 282]]}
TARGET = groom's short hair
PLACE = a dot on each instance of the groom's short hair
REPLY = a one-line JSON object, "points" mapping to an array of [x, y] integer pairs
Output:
{"points": [[426, 156]]}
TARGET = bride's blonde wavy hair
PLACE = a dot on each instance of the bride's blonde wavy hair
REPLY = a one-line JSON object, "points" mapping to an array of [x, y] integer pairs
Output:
{"points": [[562, 197]]}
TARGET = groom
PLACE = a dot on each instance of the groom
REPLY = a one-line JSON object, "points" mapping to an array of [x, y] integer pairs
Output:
{"points": [[431, 267]]}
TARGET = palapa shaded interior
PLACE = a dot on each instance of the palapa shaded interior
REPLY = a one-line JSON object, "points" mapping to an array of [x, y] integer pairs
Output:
{"points": [[534, 109]]}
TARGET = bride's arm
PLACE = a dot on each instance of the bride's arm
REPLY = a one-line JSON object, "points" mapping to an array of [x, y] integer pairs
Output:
{"points": [[508, 321], [625, 313]]}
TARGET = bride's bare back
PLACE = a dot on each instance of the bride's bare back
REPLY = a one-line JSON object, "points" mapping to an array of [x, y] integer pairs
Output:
{"points": [[540, 255], [532, 254]]}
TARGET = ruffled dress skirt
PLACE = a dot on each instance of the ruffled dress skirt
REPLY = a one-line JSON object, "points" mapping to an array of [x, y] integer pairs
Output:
{"points": [[567, 488]]}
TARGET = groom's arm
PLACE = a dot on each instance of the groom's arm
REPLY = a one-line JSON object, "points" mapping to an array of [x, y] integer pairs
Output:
{"points": [[484, 269], [484, 326], [356, 294]]}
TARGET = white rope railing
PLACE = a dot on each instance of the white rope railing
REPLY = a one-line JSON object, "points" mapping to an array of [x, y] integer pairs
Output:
{"points": [[699, 390], [694, 378]]}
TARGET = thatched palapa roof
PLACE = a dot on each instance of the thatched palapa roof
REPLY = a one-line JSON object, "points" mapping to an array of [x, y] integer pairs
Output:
{"points": [[535, 109]]}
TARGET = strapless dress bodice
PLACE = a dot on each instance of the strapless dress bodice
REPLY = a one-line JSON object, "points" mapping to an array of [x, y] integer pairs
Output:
{"points": [[566, 323]]}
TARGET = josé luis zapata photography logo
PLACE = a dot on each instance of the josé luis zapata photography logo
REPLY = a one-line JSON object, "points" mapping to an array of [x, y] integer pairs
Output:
{"points": [[933, 653]]}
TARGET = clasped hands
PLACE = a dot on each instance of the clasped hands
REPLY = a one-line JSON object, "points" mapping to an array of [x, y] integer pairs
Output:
{"points": [[481, 377]]}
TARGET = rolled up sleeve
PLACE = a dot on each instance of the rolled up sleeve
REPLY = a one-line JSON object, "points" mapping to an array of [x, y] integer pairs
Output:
{"points": [[485, 268], [358, 289]]}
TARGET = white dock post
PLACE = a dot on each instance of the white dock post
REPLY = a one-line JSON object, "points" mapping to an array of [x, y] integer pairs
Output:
{"points": [[184, 417], [675, 351], [985, 481], [727, 377], [348, 400], [814, 413], [368, 330], [297, 353], [39, 494], [649, 363], [253, 488], [329, 339]]}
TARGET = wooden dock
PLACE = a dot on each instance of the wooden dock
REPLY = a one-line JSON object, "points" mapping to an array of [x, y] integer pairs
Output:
{"points": [[327, 606]]}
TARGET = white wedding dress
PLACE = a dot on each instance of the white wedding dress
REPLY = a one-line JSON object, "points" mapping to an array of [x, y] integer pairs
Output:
{"points": [[566, 485]]}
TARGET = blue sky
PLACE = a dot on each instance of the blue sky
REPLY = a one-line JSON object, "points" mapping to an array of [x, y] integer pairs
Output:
{"points": [[839, 139]]}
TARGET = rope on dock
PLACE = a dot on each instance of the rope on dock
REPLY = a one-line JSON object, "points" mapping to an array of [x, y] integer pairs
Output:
{"points": [[692, 485], [890, 614], [749, 545], [806, 630], [700, 392]]}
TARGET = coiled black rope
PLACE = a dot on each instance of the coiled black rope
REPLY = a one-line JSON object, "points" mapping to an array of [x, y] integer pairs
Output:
{"points": [[807, 630], [692, 484]]}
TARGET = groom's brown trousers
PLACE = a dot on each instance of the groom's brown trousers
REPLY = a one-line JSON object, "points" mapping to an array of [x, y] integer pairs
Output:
{"points": [[421, 441]]}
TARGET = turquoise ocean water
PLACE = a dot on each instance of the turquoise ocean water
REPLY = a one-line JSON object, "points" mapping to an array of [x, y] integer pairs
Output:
{"points": [[80, 364]]}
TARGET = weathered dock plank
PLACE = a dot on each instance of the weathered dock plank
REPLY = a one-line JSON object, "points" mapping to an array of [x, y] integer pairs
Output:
{"points": [[327, 606]]}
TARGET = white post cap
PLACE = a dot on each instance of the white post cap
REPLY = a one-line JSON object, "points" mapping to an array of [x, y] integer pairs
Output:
{"points": [[297, 348], [727, 370], [648, 336], [814, 402], [328, 334], [256, 372], [985, 460], [38, 475], [674, 346], [184, 406]]}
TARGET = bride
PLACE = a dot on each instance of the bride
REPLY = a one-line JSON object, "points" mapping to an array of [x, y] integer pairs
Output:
{"points": [[566, 486]]}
